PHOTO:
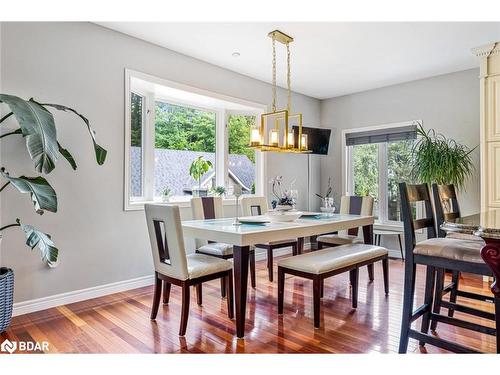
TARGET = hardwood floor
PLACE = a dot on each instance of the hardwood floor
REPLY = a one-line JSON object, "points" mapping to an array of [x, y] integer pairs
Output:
{"points": [[120, 323]]}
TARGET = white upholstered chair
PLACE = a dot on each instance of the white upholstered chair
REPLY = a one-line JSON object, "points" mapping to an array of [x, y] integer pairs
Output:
{"points": [[212, 208], [256, 205], [354, 205], [174, 266]]}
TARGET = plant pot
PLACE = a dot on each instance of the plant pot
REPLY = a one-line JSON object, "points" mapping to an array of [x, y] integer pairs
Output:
{"points": [[165, 198], [6, 297]]}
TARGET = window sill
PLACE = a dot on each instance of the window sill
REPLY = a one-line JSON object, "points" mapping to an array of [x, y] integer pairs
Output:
{"points": [[182, 203]]}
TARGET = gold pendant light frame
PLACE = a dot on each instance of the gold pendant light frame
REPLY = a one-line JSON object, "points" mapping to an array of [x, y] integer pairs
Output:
{"points": [[258, 135]]}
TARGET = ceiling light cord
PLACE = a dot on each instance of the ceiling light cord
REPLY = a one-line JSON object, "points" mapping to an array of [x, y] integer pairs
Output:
{"points": [[274, 76], [288, 78]]}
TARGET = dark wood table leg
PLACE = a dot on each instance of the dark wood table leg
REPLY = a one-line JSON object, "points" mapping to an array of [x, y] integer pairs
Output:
{"points": [[240, 269], [300, 245], [491, 256], [368, 234]]}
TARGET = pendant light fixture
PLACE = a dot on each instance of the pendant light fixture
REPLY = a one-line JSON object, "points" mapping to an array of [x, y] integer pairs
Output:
{"points": [[276, 127]]}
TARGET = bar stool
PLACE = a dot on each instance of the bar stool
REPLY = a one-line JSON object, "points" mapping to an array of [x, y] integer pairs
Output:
{"points": [[437, 254]]}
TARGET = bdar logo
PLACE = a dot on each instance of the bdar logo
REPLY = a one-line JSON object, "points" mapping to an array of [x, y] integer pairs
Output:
{"points": [[8, 346]]}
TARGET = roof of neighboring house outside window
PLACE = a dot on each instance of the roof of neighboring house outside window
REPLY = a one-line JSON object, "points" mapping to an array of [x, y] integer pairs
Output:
{"points": [[172, 170]]}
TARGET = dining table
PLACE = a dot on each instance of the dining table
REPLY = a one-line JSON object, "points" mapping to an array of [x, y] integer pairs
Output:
{"points": [[243, 235], [485, 224]]}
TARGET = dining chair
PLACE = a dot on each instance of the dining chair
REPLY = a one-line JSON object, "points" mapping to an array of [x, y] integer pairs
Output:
{"points": [[204, 208], [437, 254], [447, 209], [257, 205], [174, 266], [354, 205]]}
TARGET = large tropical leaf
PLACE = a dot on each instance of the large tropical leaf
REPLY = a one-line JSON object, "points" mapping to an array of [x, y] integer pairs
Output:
{"points": [[34, 237], [100, 152], [37, 125], [42, 194], [64, 152]]}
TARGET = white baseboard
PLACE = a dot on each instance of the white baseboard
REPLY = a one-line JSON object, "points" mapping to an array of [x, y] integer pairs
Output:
{"points": [[26, 307]]}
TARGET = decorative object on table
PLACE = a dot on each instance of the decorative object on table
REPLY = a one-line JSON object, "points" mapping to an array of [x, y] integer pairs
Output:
{"points": [[275, 132], [165, 196], [441, 160], [218, 191], [36, 124], [284, 200], [197, 170], [328, 199], [237, 193]]}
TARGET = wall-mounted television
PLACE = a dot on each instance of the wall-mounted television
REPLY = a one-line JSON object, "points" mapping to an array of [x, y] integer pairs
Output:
{"points": [[318, 139]]}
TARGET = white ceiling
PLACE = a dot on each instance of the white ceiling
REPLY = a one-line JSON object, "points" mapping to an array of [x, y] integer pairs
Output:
{"points": [[328, 59]]}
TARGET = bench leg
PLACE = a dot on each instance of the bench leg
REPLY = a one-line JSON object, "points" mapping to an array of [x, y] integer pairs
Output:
{"points": [[281, 289], [385, 267], [199, 294], [354, 276], [316, 300]]}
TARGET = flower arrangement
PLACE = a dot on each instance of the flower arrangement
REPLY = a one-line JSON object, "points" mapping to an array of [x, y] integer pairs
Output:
{"points": [[283, 197], [329, 191]]}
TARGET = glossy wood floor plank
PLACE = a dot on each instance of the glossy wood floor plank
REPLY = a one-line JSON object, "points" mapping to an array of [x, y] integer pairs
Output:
{"points": [[120, 323]]}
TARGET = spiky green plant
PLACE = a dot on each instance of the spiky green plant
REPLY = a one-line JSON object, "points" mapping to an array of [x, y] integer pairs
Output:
{"points": [[441, 160]]}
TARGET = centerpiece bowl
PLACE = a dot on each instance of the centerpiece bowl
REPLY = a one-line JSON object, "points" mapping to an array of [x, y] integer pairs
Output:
{"points": [[283, 216]]}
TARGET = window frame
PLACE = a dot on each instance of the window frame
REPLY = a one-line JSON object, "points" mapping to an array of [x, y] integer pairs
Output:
{"points": [[221, 138], [348, 173]]}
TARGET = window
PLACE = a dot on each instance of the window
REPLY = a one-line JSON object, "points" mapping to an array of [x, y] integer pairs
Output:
{"points": [[169, 125], [241, 156], [377, 160], [136, 124]]}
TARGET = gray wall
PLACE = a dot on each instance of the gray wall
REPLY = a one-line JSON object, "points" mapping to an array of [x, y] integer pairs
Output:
{"points": [[447, 103], [82, 65]]}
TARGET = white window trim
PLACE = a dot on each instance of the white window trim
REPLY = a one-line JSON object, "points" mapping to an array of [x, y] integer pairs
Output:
{"points": [[347, 170], [221, 137]]}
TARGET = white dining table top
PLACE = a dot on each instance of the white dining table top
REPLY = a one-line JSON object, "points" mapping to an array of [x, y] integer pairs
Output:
{"points": [[223, 230]]}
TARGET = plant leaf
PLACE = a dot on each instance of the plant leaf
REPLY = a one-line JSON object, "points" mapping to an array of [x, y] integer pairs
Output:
{"points": [[34, 237], [38, 127], [100, 152], [64, 152], [42, 194]]}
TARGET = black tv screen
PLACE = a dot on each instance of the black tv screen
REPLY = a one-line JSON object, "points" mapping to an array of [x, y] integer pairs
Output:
{"points": [[318, 139]]}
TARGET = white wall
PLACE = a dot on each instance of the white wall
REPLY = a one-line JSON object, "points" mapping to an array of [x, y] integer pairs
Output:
{"points": [[82, 65], [448, 103]]}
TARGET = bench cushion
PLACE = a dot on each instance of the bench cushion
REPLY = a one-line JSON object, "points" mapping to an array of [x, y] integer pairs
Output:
{"points": [[339, 239], [451, 248], [332, 258]]}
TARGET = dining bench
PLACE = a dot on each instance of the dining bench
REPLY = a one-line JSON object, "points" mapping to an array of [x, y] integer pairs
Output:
{"points": [[328, 262]]}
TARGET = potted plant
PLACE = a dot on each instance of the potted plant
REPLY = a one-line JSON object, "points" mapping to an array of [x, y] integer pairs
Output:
{"points": [[198, 168], [218, 191], [165, 196], [37, 126], [441, 160]]}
